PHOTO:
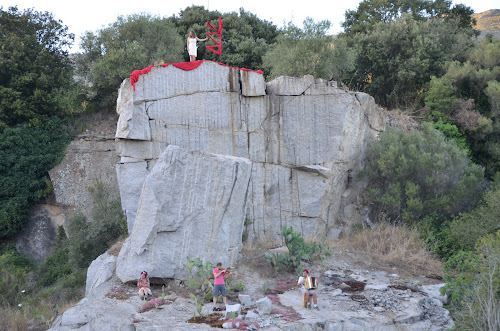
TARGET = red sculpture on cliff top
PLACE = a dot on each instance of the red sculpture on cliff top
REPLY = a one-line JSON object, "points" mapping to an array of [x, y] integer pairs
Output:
{"points": [[218, 32]]}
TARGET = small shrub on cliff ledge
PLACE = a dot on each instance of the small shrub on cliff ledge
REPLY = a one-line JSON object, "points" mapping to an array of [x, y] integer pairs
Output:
{"points": [[89, 239]]}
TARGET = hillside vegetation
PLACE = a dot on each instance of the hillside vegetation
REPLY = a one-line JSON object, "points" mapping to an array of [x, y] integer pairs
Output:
{"points": [[421, 58], [488, 22]]}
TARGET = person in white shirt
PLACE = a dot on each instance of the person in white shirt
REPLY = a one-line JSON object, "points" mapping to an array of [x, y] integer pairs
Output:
{"points": [[306, 292]]}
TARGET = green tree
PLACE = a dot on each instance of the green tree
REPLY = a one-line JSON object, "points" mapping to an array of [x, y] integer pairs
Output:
{"points": [[370, 12], [130, 43], [396, 60], [34, 65], [310, 50], [26, 155], [440, 97], [477, 89], [245, 37], [418, 174]]}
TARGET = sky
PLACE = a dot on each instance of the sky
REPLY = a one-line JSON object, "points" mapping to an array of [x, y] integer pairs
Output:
{"points": [[92, 15]]}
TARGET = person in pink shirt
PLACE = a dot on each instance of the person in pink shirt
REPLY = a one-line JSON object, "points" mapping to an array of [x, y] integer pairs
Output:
{"points": [[219, 285]]}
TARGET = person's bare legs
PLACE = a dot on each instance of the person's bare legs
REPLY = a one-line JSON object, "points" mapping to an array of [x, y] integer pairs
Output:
{"points": [[224, 299], [315, 298], [192, 58]]}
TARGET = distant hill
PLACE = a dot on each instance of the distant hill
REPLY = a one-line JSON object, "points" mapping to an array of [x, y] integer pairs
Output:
{"points": [[488, 22]]}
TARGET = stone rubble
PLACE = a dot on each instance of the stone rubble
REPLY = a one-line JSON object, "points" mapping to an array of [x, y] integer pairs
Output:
{"points": [[380, 306]]}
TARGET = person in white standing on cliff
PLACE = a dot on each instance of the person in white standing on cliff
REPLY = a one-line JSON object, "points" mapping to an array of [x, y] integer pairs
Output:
{"points": [[191, 45]]}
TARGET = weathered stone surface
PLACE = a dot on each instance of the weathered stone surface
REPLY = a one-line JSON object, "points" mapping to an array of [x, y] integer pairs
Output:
{"points": [[264, 306], [275, 193], [133, 120], [286, 85], [236, 309], [37, 239], [99, 271], [252, 84], [89, 159], [245, 300], [305, 137], [131, 176], [165, 82], [192, 204]]}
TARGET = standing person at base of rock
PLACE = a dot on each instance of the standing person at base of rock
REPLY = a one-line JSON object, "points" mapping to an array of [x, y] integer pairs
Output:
{"points": [[307, 292], [219, 285], [191, 45]]}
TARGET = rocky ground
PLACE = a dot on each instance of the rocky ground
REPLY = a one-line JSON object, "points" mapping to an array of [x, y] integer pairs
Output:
{"points": [[353, 295]]}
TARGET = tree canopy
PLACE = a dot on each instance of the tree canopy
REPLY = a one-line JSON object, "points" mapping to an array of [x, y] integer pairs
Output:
{"points": [[245, 37], [34, 65], [396, 60], [130, 43], [310, 50], [371, 12]]}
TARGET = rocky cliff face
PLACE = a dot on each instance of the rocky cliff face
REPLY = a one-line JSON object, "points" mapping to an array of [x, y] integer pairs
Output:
{"points": [[304, 138], [208, 155]]}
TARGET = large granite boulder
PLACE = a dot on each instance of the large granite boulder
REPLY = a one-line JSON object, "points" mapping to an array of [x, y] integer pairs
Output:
{"points": [[192, 205], [305, 138]]}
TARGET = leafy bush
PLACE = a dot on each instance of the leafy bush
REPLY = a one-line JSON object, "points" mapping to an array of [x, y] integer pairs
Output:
{"points": [[26, 155], [89, 239], [57, 265], [14, 276], [298, 251], [466, 229], [413, 175], [473, 284]]}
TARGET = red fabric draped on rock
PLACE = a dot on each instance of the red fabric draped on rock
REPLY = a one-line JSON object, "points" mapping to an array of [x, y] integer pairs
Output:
{"points": [[134, 76]]}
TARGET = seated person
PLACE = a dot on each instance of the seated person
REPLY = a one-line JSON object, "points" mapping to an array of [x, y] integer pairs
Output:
{"points": [[143, 285], [307, 293]]}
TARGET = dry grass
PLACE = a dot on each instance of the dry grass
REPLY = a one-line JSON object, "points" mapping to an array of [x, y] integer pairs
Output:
{"points": [[395, 246], [116, 247], [15, 319]]}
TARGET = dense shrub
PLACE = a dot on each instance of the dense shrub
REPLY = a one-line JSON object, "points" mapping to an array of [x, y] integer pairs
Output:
{"points": [[90, 238], [473, 285], [26, 155], [413, 175], [466, 229], [14, 276]]}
